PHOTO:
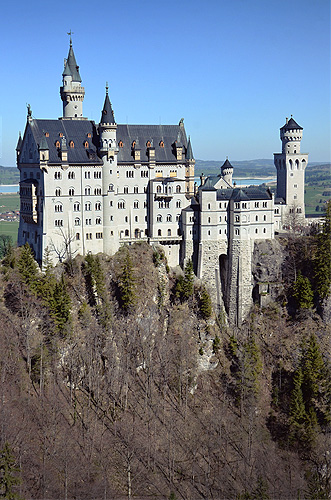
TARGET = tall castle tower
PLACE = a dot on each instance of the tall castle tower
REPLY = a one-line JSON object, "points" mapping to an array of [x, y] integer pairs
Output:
{"points": [[108, 152], [72, 93], [291, 165]]}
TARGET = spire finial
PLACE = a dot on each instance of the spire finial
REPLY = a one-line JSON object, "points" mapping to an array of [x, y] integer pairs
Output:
{"points": [[227, 157], [70, 33], [106, 88]]}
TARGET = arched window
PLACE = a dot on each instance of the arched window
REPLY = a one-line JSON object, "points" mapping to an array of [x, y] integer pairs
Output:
{"points": [[76, 207], [120, 144], [87, 191], [57, 192], [178, 204], [71, 175], [159, 218], [111, 187], [88, 206], [57, 144], [126, 232], [98, 205], [169, 232], [121, 204], [97, 191], [71, 144], [77, 221], [237, 218], [98, 220], [159, 232], [86, 144], [71, 192], [169, 218], [58, 207], [57, 175], [161, 144], [178, 189], [136, 204], [158, 188]]}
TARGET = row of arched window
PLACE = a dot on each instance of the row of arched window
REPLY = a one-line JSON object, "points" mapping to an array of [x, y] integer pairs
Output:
{"points": [[168, 189], [72, 144], [87, 191], [88, 222]]}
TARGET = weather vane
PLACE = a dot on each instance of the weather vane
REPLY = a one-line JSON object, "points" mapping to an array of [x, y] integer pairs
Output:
{"points": [[70, 33]]}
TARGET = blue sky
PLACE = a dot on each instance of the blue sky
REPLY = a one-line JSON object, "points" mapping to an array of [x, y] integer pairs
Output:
{"points": [[233, 70]]}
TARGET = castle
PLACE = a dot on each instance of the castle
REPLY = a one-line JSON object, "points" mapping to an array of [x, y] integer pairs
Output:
{"points": [[92, 188]]}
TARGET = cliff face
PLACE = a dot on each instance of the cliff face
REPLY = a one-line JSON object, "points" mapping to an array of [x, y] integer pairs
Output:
{"points": [[118, 381], [267, 270]]}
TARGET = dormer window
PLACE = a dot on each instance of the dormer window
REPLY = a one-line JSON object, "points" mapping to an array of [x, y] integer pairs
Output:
{"points": [[57, 144], [120, 144], [46, 134], [89, 135], [134, 144], [86, 144], [71, 144], [60, 134], [148, 144], [161, 144]]}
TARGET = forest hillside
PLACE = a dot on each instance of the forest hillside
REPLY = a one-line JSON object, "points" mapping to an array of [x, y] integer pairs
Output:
{"points": [[119, 381]]}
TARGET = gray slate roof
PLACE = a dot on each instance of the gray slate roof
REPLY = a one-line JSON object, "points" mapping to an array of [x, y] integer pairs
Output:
{"points": [[73, 130], [153, 133], [291, 125], [244, 193], [78, 130], [71, 68], [107, 115], [189, 152]]}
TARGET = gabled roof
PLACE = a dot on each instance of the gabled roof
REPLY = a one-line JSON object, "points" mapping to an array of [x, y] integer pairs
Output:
{"points": [[43, 145], [71, 68], [244, 194], [107, 115], [163, 138], [239, 195], [77, 131], [291, 125]]}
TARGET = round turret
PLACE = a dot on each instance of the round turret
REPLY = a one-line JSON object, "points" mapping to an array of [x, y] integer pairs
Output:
{"points": [[291, 135], [227, 171]]}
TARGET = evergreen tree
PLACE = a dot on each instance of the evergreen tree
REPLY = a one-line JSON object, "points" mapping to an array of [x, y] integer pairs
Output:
{"points": [[188, 280], [322, 261], [28, 267], [302, 292], [6, 245], [185, 284], [127, 285], [59, 304], [8, 474], [312, 370], [298, 415], [205, 304]]}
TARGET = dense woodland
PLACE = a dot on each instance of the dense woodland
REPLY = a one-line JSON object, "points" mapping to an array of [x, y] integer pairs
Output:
{"points": [[119, 380]]}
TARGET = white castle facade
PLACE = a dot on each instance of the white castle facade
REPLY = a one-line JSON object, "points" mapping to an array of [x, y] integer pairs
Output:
{"points": [[92, 188]]}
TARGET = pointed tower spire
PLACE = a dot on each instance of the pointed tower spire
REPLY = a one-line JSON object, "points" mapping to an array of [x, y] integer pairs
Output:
{"points": [[72, 93], [107, 115], [71, 67], [189, 152]]}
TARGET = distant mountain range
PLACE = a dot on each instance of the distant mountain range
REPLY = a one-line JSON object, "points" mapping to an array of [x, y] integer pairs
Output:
{"points": [[246, 168]]}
